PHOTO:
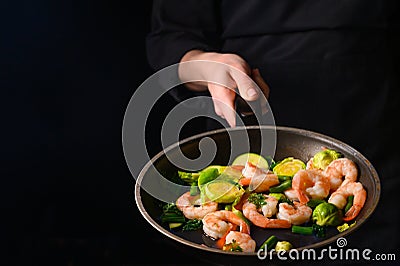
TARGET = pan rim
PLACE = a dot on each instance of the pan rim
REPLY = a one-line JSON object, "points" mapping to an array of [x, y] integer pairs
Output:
{"points": [[304, 132]]}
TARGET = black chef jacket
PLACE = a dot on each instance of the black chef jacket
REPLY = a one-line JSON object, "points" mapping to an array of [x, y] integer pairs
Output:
{"points": [[332, 67]]}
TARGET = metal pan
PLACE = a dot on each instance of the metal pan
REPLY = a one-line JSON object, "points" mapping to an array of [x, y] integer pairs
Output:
{"points": [[298, 143]]}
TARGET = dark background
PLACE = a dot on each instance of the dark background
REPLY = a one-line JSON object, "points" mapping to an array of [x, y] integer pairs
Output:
{"points": [[68, 70]]}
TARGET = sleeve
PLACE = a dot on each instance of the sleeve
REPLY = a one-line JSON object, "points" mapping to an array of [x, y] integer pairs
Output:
{"points": [[180, 26]]}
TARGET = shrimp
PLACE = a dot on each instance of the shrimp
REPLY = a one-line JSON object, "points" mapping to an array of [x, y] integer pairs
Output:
{"points": [[295, 214], [338, 169], [310, 183], [291, 194], [245, 242], [250, 212], [339, 198], [192, 208], [217, 224], [258, 180], [271, 208]]}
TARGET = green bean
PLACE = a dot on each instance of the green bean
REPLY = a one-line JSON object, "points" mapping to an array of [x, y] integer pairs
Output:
{"points": [[312, 203], [283, 178], [282, 187], [349, 203], [303, 230], [270, 243], [319, 231]]}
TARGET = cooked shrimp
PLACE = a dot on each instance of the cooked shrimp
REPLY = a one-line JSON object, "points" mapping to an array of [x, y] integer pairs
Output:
{"points": [[310, 183], [192, 208], [295, 214], [217, 224], [291, 194], [258, 180], [338, 169], [271, 208], [250, 212], [339, 198], [244, 241]]}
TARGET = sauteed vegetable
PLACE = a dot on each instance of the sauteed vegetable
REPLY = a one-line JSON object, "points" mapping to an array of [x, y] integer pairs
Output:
{"points": [[304, 197]]}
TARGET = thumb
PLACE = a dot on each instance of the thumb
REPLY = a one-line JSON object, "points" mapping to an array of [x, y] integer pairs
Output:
{"points": [[255, 73], [248, 89]]}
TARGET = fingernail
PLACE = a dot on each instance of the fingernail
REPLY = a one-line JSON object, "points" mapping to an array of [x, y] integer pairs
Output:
{"points": [[252, 93]]}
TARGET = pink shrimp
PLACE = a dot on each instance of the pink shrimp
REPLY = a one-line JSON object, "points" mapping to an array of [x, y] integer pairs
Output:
{"points": [[217, 224], [251, 212], [295, 214], [310, 183], [258, 180], [192, 208], [338, 169], [244, 241], [339, 198], [291, 194]]}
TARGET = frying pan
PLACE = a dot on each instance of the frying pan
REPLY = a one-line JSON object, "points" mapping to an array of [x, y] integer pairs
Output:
{"points": [[293, 142]]}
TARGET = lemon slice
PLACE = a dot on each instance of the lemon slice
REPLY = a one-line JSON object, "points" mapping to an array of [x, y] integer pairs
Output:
{"points": [[288, 167], [253, 158]]}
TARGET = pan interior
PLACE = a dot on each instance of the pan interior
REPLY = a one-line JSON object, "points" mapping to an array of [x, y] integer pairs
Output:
{"points": [[291, 142]]}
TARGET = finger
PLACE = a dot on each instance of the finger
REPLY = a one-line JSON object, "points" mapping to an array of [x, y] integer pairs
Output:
{"points": [[223, 99], [246, 86], [255, 73]]}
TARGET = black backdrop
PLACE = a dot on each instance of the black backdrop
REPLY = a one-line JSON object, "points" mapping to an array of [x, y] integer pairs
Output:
{"points": [[68, 70]]}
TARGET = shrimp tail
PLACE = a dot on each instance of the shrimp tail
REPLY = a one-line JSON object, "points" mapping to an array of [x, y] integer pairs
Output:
{"points": [[352, 213], [272, 223], [244, 228], [278, 223], [302, 196], [221, 242], [358, 204]]}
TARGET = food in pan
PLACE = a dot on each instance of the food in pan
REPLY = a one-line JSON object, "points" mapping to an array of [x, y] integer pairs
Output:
{"points": [[306, 198]]}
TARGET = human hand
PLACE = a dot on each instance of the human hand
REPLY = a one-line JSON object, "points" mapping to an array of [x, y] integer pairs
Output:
{"points": [[221, 79]]}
